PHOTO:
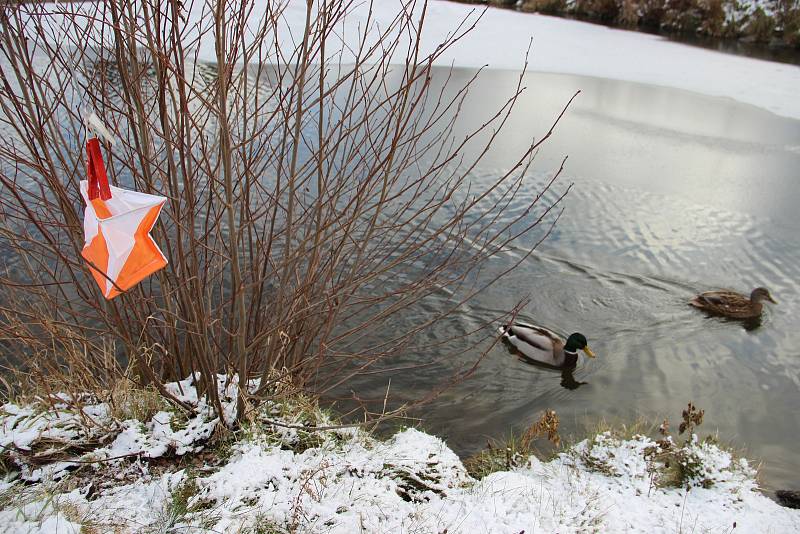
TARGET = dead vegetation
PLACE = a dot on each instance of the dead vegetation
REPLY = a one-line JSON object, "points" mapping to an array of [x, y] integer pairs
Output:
{"points": [[314, 195], [514, 451], [673, 463]]}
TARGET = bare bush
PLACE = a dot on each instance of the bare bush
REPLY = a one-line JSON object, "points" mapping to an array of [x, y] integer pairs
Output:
{"points": [[315, 191]]}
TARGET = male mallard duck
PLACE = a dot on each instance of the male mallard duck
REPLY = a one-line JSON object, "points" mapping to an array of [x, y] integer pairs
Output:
{"points": [[544, 346], [732, 304]]}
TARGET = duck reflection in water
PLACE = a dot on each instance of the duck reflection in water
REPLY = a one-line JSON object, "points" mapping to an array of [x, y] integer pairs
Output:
{"points": [[568, 380], [749, 324]]}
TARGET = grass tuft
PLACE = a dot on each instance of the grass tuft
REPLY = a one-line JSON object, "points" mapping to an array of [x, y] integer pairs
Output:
{"points": [[128, 401], [514, 451], [183, 508], [263, 525]]}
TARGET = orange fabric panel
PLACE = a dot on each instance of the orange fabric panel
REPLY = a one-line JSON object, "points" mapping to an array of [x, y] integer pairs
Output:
{"points": [[96, 253], [145, 258], [100, 209]]}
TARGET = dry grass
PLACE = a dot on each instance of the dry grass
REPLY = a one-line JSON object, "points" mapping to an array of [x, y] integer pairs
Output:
{"points": [[672, 461], [129, 402], [53, 358], [621, 430], [514, 451]]}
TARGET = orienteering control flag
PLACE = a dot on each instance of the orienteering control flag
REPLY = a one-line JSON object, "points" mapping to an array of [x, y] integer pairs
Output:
{"points": [[116, 225]]}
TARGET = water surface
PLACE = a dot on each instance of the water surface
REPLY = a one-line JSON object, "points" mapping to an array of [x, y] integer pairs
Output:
{"points": [[674, 193]]}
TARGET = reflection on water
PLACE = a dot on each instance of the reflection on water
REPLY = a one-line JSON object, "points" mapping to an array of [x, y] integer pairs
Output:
{"points": [[675, 193], [748, 324], [568, 380]]}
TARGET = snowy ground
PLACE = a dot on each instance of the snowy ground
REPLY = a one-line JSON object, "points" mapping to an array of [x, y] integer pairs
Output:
{"points": [[279, 477]]}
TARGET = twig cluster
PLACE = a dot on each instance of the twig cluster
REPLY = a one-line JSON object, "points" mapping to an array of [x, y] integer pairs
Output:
{"points": [[314, 193]]}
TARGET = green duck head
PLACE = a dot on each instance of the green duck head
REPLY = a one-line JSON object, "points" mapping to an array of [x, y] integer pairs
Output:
{"points": [[577, 342]]}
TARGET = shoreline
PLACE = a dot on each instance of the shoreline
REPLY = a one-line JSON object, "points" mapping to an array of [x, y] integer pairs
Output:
{"points": [[730, 40], [501, 37], [293, 468]]}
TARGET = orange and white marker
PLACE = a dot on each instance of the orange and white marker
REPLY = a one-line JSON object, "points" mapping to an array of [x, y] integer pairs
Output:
{"points": [[116, 225]]}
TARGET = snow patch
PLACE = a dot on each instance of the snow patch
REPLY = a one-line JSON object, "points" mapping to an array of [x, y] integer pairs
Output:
{"points": [[344, 480]]}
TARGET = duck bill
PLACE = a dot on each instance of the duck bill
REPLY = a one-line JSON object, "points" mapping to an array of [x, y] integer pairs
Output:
{"points": [[772, 300], [588, 352]]}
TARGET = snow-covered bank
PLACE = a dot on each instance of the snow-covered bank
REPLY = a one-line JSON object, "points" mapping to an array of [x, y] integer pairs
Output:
{"points": [[564, 46], [570, 47], [278, 477], [500, 40]]}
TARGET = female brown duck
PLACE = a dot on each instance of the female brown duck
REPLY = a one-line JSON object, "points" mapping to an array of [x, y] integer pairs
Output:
{"points": [[732, 304]]}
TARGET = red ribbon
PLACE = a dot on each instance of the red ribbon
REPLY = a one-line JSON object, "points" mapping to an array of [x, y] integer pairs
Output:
{"points": [[98, 180]]}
